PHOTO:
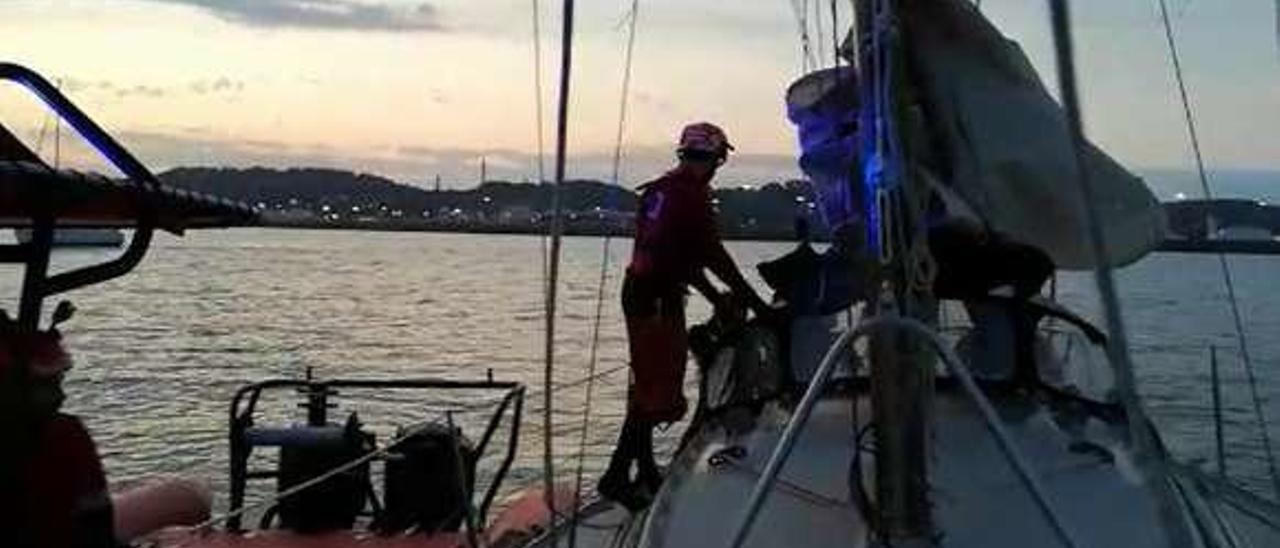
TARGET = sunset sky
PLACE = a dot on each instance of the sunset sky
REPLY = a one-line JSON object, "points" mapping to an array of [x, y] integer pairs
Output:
{"points": [[411, 89]]}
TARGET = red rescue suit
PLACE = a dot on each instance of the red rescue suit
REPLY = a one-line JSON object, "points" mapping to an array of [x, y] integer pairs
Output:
{"points": [[675, 238]]}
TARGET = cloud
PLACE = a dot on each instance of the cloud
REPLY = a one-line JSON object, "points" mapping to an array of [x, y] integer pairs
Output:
{"points": [[140, 91], [75, 85], [654, 100], [222, 84], [321, 14]]}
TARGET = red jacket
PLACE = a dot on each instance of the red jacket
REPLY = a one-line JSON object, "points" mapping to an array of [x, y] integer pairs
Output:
{"points": [[61, 498], [676, 232]]}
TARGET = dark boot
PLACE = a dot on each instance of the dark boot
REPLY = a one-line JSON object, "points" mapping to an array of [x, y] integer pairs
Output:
{"points": [[616, 484], [647, 473]]}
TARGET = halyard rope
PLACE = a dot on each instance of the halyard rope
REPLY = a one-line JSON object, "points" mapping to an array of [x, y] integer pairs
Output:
{"points": [[604, 274]]}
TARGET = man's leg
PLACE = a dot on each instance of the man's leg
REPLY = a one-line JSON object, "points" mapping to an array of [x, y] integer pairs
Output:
{"points": [[616, 483], [676, 350], [618, 473], [647, 474]]}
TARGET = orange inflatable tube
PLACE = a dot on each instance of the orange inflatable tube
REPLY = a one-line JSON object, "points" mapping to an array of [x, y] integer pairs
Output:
{"points": [[158, 504]]}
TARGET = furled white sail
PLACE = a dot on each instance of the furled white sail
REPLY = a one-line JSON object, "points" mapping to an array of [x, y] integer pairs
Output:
{"points": [[1006, 146]]}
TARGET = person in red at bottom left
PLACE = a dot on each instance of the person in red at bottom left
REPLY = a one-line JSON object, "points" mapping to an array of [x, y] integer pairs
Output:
{"points": [[52, 488], [53, 492], [676, 241]]}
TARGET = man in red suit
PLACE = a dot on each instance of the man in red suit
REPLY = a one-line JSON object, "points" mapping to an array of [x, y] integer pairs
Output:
{"points": [[676, 241]]}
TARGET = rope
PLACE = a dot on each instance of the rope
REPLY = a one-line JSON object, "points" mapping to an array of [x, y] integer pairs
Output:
{"points": [[553, 267], [1118, 347], [604, 274], [1227, 277]]}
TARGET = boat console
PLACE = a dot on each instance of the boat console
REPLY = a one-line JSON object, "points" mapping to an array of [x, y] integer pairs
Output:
{"points": [[324, 470]]}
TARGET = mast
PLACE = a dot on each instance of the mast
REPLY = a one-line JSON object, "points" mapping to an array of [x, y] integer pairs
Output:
{"points": [[901, 365]]}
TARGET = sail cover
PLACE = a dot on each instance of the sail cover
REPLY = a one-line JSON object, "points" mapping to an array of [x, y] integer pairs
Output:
{"points": [[823, 106], [1007, 147]]}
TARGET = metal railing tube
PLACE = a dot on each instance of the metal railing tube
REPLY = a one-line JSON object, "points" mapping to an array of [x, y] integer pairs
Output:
{"points": [[956, 367], [1217, 412], [798, 419]]}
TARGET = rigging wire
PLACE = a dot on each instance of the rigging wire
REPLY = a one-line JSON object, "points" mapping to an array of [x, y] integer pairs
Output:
{"points": [[537, 104], [1227, 278], [835, 35], [57, 134], [1118, 347], [800, 9], [553, 259], [604, 272], [817, 31], [44, 127]]}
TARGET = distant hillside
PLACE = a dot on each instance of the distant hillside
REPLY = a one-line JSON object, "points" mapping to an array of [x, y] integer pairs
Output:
{"points": [[308, 188], [326, 197], [1249, 184], [304, 184]]}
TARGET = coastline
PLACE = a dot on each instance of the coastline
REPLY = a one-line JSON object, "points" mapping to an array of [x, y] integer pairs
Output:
{"points": [[571, 228]]}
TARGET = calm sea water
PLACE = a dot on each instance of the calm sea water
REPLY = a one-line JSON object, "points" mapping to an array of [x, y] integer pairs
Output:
{"points": [[160, 352]]}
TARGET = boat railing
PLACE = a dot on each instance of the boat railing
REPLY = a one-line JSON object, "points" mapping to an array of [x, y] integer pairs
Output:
{"points": [[1219, 428], [956, 367], [99, 139], [37, 284]]}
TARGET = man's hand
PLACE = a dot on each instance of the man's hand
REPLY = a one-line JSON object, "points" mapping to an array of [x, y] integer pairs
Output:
{"points": [[768, 313], [762, 310]]}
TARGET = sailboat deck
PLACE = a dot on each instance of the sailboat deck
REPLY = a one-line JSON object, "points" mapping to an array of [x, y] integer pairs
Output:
{"points": [[1083, 462], [811, 506], [1084, 468]]}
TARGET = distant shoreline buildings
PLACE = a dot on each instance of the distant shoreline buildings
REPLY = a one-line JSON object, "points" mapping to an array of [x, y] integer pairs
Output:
{"points": [[321, 198], [324, 198]]}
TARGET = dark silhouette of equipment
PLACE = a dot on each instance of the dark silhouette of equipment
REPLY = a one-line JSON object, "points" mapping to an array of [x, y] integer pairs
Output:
{"points": [[429, 480]]}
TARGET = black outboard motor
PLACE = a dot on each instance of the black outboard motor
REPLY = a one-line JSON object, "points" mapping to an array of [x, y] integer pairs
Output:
{"points": [[316, 450], [429, 480]]}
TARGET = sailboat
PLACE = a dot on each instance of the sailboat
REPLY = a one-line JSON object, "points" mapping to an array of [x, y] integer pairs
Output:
{"points": [[71, 236], [989, 437]]}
